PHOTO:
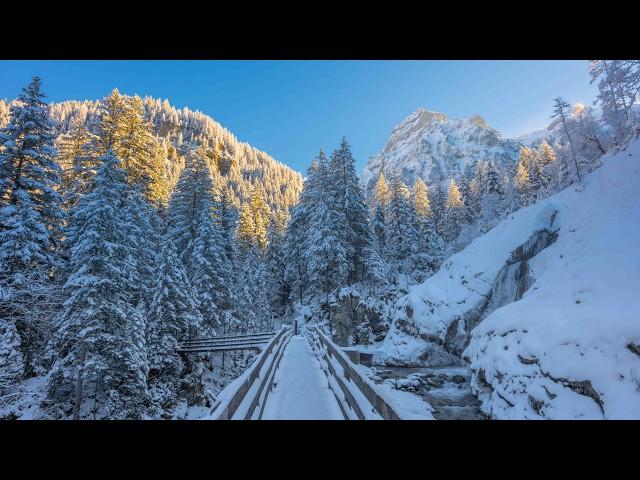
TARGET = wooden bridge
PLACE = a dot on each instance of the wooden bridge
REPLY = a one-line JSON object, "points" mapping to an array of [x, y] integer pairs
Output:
{"points": [[295, 377]]}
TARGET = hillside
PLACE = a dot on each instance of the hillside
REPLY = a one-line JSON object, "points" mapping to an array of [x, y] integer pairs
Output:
{"points": [[543, 307], [237, 165]]}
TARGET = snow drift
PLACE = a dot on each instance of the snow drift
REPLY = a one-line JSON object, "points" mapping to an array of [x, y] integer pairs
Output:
{"points": [[545, 307]]}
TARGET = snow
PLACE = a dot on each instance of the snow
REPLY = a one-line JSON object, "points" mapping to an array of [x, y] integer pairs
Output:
{"points": [[301, 390], [23, 400], [407, 405], [566, 346], [426, 140]]}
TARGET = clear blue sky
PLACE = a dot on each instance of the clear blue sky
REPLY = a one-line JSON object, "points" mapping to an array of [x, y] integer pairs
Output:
{"points": [[292, 108]]}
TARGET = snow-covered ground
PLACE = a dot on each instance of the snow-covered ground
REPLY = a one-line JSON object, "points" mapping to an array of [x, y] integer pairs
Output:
{"points": [[570, 347]]}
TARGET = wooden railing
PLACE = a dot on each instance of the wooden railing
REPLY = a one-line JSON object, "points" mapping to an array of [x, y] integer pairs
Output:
{"points": [[226, 343], [242, 396], [331, 352]]}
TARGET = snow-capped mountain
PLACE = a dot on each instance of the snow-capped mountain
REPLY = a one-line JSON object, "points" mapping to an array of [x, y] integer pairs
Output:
{"points": [[429, 145]]}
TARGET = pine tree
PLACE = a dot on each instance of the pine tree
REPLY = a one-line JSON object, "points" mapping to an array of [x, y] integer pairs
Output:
{"points": [[379, 228], [402, 236], [618, 86], [31, 222], [100, 333], [172, 314], [348, 196], [77, 161], [277, 287], [522, 182], [327, 246], [11, 358], [246, 227], [421, 199], [296, 235], [382, 193], [454, 214], [125, 130]]}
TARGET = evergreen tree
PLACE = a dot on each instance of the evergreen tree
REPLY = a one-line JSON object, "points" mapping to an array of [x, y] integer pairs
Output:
{"points": [[99, 337], [296, 235], [402, 236], [172, 314], [125, 130], [382, 194], [277, 287], [522, 182], [327, 244], [31, 220], [421, 199], [379, 228], [454, 212], [77, 162], [348, 197]]}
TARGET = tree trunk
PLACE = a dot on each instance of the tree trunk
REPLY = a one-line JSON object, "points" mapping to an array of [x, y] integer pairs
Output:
{"points": [[78, 402], [573, 153]]}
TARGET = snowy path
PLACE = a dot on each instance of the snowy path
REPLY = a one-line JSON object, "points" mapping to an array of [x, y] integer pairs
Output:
{"points": [[301, 391]]}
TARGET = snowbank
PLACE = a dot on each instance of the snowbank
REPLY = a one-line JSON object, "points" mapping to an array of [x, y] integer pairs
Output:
{"points": [[569, 346]]}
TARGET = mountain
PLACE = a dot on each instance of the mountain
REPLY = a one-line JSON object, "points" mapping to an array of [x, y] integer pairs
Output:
{"points": [[428, 145], [236, 166], [543, 307]]}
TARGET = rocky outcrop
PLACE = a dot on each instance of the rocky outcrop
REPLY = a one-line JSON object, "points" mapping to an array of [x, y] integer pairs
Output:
{"points": [[431, 146], [357, 319]]}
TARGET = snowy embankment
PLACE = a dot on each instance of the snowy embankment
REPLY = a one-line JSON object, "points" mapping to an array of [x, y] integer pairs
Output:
{"points": [[545, 307]]}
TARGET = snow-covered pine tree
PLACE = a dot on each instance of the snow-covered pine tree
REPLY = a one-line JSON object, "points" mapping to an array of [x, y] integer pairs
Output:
{"points": [[490, 197], [348, 196], [327, 244], [277, 287], [31, 221], [125, 130], [295, 242], [382, 194], [379, 229], [77, 161], [211, 271], [402, 236], [421, 199], [99, 336], [522, 182], [172, 314], [454, 214]]}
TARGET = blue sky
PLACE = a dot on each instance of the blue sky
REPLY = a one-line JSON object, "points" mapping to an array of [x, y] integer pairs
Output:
{"points": [[292, 108]]}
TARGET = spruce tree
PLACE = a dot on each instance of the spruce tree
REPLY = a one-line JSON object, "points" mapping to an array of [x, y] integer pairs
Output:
{"points": [[349, 198], [172, 314], [454, 212], [402, 236], [99, 335], [31, 221]]}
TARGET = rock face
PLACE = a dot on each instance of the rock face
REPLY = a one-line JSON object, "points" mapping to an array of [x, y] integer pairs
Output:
{"points": [[356, 320], [428, 145]]}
